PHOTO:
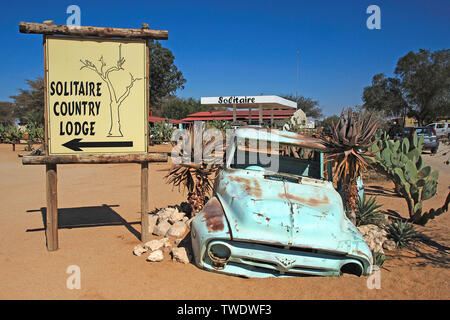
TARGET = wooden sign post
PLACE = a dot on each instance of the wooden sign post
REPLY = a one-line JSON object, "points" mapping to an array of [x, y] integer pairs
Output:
{"points": [[96, 104]]}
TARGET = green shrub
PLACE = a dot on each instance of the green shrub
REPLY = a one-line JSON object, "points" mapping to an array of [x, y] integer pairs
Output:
{"points": [[368, 212], [402, 233], [160, 132], [378, 258], [222, 125], [13, 135], [2, 133]]}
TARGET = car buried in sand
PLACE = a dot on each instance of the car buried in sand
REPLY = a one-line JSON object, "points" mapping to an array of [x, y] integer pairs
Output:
{"points": [[274, 213]]}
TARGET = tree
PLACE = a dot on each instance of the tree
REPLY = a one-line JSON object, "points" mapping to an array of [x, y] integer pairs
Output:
{"points": [[310, 107], [385, 95], [179, 108], [29, 103], [114, 100], [425, 79], [7, 112], [420, 89], [165, 78]]}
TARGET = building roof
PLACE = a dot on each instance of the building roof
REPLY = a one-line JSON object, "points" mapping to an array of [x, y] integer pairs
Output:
{"points": [[156, 119], [240, 115]]}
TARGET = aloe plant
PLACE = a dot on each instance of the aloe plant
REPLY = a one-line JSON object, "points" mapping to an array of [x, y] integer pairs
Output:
{"points": [[351, 139], [378, 258], [402, 233], [368, 212], [196, 178]]}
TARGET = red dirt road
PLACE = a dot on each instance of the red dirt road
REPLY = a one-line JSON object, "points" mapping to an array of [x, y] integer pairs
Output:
{"points": [[109, 270]]}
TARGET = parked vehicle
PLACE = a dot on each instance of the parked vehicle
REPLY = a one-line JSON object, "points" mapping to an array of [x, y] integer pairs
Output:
{"points": [[430, 138], [285, 220], [398, 133], [442, 129]]}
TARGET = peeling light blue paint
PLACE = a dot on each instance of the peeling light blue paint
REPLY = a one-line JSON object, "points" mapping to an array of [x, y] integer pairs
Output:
{"points": [[277, 223]]}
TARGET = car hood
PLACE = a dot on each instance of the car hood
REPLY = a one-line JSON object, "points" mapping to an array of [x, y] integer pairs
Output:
{"points": [[307, 214]]}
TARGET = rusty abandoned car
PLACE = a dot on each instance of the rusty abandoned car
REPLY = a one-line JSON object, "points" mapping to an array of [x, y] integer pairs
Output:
{"points": [[273, 214]]}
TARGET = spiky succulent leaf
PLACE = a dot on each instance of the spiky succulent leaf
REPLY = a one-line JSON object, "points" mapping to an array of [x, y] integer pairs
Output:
{"points": [[402, 233]]}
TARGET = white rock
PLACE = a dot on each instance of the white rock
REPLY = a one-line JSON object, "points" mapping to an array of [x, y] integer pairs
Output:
{"points": [[180, 255], [156, 256], [152, 219], [139, 250], [161, 228], [176, 216], [164, 214], [389, 245], [177, 230], [166, 242], [154, 245], [374, 237]]}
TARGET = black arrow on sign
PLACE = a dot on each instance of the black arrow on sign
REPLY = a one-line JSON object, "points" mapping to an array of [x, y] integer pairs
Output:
{"points": [[76, 144]]}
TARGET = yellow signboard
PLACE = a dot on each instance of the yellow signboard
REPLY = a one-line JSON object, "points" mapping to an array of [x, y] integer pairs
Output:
{"points": [[96, 96]]}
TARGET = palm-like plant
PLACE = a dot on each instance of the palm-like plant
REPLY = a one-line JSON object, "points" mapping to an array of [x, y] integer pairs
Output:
{"points": [[197, 176], [350, 139]]}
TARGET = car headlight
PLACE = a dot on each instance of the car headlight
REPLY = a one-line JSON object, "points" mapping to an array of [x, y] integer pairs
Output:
{"points": [[219, 255]]}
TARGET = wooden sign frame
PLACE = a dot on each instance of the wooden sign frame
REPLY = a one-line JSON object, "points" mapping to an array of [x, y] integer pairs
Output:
{"points": [[51, 161], [48, 137]]}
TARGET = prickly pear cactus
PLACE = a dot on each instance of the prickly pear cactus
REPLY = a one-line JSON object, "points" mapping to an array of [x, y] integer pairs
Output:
{"points": [[402, 161]]}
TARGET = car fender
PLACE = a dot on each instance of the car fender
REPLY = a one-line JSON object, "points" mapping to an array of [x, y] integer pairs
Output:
{"points": [[210, 223]]}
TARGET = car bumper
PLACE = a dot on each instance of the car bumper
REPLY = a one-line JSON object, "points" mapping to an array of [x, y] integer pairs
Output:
{"points": [[255, 260], [430, 144]]}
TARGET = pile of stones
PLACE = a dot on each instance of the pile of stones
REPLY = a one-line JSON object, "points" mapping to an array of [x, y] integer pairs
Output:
{"points": [[170, 225], [376, 238]]}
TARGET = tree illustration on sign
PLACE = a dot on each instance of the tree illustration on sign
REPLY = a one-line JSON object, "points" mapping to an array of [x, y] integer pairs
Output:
{"points": [[115, 101]]}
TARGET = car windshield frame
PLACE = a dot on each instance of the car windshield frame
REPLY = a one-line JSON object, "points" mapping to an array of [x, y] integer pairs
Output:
{"points": [[311, 166]]}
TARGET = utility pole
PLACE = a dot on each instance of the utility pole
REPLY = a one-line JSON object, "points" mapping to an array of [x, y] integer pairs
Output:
{"points": [[296, 84]]}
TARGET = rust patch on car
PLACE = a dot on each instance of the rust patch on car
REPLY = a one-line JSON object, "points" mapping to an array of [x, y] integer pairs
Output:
{"points": [[309, 201], [252, 189], [361, 253], [214, 215], [257, 192]]}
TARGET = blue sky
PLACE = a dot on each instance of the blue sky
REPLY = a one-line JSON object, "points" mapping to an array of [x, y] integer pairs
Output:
{"points": [[248, 47]]}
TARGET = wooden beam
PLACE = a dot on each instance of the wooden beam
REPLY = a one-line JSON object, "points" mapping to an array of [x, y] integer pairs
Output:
{"points": [[44, 42], [51, 228], [144, 202], [85, 31], [95, 159]]}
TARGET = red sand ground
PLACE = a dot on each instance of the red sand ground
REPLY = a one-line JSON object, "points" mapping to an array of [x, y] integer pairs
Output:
{"points": [[109, 270]]}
